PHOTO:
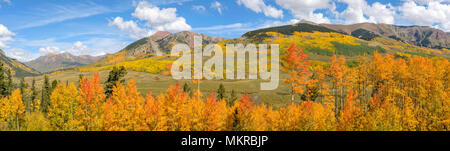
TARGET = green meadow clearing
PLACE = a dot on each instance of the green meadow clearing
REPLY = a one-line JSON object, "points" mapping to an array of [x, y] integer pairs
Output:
{"points": [[157, 83]]}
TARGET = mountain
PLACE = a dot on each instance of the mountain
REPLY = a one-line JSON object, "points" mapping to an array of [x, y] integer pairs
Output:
{"points": [[19, 69], [325, 40], [417, 35], [158, 44], [53, 62]]}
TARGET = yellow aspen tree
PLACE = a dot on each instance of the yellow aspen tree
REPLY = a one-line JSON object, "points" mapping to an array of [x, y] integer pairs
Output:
{"points": [[63, 105], [16, 109]]}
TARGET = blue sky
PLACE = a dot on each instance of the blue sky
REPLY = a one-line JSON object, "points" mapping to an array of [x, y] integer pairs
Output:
{"points": [[31, 28]]}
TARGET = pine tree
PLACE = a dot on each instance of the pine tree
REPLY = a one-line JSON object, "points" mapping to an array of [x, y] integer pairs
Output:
{"points": [[187, 89], [221, 92], [233, 97], [23, 86], [3, 82], [54, 84], [33, 90], [10, 83], [115, 75], [46, 88]]}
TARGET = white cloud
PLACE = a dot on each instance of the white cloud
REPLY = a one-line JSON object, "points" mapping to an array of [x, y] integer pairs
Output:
{"points": [[49, 49], [20, 54], [359, 11], [433, 13], [78, 48], [424, 2], [131, 27], [199, 8], [304, 9], [165, 19], [218, 6], [155, 19], [5, 35], [97, 46], [259, 6], [380, 13]]}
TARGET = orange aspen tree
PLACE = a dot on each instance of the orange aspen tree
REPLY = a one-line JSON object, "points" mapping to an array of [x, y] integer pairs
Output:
{"points": [[151, 115], [337, 72], [296, 64], [91, 102]]}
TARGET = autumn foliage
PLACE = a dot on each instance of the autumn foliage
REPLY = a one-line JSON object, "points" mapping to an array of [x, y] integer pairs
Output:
{"points": [[383, 94]]}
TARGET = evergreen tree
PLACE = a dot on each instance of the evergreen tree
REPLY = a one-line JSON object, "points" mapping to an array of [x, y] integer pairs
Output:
{"points": [[115, 75], [233, 97], [33, 90], [54, 84], [187, 89], [221, 92], [23, 85], [46, 88], [3, 82], [10, 83]]}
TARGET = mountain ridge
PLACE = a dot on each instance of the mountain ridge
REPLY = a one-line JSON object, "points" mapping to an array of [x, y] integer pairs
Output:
{"points": [[422, 36], [53, 62]]}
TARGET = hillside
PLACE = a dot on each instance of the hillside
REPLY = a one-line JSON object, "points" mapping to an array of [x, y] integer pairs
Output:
{"points": [[53, 62], [19, 69], [417, 35], [156, 45]]}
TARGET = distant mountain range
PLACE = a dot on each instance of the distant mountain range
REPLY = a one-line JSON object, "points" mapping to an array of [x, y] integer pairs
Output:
{"points": [[19, 69], [53, 62], [417, 35]]}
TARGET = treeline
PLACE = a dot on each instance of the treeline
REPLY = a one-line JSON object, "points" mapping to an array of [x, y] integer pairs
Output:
{"points": [[384, 94]]}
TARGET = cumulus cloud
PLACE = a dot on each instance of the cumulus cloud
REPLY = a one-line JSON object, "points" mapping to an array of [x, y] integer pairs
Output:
{"points": [[155, 18], [20, 54], [305, 9], [218, 6], [5, 35], [78, 48], [165, 19], [428, 13], [359, 11], [259, 6], [135, 32], [199, 8], [49, 49]]}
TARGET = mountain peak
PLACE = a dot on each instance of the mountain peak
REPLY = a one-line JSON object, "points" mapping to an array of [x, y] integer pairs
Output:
{"points": [[160, 35], [53, 62]]}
